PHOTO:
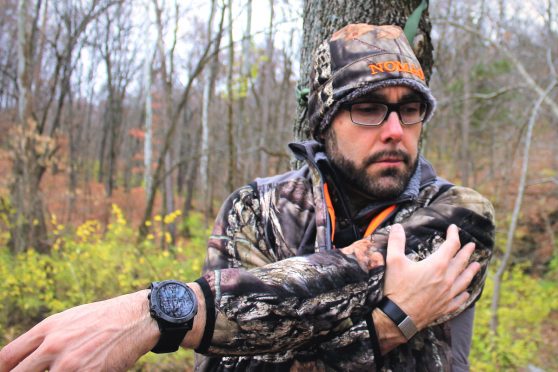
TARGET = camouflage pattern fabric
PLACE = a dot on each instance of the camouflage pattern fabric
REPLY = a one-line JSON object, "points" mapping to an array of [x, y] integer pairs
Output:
{"points": [[356, 60], [286, 300]]}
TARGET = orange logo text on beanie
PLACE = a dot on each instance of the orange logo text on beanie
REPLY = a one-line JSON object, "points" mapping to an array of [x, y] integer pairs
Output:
{"points": [[396, 66]]}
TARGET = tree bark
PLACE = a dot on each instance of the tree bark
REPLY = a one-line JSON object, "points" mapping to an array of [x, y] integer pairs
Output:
{"points": [[465, 124], [168, 194], [210, 76], [148, 146], [266, 82], [245, 81], [30, 152], [191, 172], [230, 108]]}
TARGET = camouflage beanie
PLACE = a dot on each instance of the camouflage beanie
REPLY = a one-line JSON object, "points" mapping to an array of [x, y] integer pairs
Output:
{"points": [[356, 60]]}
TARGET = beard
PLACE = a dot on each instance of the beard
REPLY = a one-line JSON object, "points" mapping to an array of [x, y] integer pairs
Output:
{"points": [[386, 183]]}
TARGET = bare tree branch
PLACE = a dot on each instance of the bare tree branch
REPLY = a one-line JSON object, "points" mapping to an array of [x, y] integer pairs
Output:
{"points": [[517, 207], [516, 62]]}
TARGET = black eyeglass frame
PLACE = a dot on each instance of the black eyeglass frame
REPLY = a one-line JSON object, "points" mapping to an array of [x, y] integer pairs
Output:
{"points": [[391, 107]]}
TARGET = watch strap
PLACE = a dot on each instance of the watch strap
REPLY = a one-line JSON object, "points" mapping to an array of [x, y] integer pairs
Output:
{"points": [[209, 316], [171, 338], [399, 317]]}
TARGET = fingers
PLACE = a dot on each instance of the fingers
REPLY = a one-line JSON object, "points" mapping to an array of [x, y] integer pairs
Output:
{"points": [[19, 349], [463, 272], [452, 244], [458, 263], [458, 301], [459, 289], [465, 278], [367, 257], [37, 361], [396, 243]]}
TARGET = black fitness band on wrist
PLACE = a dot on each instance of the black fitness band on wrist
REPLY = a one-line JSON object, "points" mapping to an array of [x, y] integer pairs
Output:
{"points": [[209, 316], [378, 358], [399, 317]]}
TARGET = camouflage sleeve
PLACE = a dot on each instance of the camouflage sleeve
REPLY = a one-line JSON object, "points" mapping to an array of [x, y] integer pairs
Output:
{"points": [[290, 304], [284, 305], [425, 230], [238, 238]]}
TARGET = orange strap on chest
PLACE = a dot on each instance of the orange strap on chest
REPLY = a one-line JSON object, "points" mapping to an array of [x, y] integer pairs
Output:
{"points": [[372, 226]]}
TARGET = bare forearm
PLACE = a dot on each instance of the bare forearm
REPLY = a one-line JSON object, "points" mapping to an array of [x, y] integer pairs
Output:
{"points": [[109, 334]]}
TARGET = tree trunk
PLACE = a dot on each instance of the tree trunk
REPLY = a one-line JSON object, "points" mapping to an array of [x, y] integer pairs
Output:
{"points": [[74, 135], [167, 75], [148, 147], [204, 160], [184, 151], [245, 79], [319, 24], [465, 125], [30, 151], [191, 173], [230, 109], [209, 86], [111, 117], [266, 96], [28, 228], [102, 150], [169, 195]]}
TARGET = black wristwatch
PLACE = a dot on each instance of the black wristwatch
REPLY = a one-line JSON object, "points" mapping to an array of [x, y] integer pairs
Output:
{"points": [[173, 305]]}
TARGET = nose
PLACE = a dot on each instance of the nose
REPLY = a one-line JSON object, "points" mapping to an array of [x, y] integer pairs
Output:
{"points": [[392, 130]]}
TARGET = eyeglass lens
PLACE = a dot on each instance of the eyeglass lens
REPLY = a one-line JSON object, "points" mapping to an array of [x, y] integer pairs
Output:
{"points": [[372, 113]]}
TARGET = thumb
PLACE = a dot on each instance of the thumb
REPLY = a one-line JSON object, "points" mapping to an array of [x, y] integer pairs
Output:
{"points": [[396, 242]]}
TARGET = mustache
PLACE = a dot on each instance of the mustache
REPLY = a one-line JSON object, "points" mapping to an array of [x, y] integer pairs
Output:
{"points": [[399, 154]]}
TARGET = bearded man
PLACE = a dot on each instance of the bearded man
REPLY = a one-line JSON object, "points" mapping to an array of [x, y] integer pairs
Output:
{"points": [[362, 174], [353, 262]]}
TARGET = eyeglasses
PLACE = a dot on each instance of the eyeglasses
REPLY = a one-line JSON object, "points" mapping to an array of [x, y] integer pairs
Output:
{"points": [[374, 113]]}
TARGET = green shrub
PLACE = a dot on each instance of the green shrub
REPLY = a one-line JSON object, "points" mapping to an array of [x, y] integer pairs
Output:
{"points": [[525, 303], [86, 265]]}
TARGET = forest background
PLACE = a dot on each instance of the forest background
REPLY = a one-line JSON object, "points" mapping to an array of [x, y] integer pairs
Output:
{"points": [[125, 123]]}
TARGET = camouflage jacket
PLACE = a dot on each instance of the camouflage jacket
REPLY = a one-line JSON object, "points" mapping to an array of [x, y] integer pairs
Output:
{"points": [[287, 300]]}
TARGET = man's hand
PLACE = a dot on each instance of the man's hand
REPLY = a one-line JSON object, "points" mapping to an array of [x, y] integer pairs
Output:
{"points": [[367, 256], [433, 287], [103, 336], [425, 290]]}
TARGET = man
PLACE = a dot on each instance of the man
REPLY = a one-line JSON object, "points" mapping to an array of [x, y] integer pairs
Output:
{"points": [[297, 276], [367, 106]]}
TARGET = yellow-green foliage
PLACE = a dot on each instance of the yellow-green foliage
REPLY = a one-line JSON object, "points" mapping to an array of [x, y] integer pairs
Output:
{"points": [[87, 264], [525, 303]]}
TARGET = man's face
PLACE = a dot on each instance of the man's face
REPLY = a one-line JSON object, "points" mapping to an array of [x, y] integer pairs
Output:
{"points": [[378, 160]]}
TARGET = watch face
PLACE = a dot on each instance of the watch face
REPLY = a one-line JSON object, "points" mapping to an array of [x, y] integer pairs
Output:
{"points": [[176, 301]]}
